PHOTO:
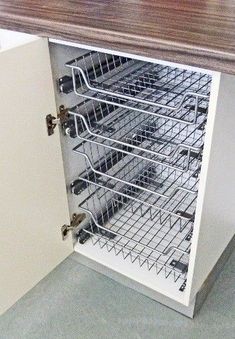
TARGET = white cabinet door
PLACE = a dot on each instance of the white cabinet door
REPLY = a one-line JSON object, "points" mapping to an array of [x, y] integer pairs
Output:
{"points": [[33, 195]]}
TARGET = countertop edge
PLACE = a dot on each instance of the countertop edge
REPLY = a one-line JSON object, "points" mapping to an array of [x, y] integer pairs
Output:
{"points": [[150, 47]]}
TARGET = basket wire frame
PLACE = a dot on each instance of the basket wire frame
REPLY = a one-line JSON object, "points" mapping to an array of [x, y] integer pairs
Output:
{"points": [[144, 87], [139, 235], [151, 138]]}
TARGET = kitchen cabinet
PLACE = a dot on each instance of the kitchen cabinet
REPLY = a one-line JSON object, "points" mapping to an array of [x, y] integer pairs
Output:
{"points": [[129, 159]]}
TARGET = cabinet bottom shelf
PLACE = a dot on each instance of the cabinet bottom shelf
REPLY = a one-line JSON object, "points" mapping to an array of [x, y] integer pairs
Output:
{"points": [[161, 290], [166, 287]]}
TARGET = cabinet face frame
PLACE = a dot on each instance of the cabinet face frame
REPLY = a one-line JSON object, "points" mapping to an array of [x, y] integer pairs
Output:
{"points": [[34, 201]]}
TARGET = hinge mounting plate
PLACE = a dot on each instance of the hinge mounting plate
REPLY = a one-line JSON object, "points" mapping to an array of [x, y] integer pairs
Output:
{"points": [[52, 122], [75, 222]]}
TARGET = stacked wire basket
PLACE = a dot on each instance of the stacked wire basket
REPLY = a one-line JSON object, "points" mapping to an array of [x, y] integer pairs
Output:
{"points": [[140, 131]]}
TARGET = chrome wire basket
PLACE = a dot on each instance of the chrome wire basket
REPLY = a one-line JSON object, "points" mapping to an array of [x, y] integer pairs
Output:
{"points": [[154, 89]]}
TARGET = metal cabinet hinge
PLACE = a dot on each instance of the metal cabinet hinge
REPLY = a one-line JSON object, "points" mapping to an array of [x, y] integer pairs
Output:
{"points": [[75, 222], [52, 122]]}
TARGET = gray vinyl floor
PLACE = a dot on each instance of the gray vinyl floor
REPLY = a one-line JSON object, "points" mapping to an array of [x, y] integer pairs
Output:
{"points": [[76, 302]]}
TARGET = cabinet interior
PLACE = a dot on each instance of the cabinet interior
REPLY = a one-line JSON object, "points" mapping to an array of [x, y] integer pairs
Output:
{"points": [[132, 147]]}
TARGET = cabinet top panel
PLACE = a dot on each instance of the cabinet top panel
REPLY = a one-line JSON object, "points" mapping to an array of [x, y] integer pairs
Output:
{"points": [[199, 33]]}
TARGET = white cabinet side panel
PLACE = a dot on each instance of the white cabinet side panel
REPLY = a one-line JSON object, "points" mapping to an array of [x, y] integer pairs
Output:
{"points": [[215, 217], [33, 195]]}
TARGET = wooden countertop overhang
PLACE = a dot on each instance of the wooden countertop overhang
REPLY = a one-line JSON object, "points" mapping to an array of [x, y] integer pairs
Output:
{"points": [[199, 33]]}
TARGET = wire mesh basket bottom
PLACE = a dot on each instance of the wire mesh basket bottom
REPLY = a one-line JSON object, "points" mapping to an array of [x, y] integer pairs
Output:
{"points": [[173, 264]]}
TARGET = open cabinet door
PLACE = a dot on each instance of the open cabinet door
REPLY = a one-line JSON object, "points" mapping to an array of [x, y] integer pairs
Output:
{"points": [[33, 194]]}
